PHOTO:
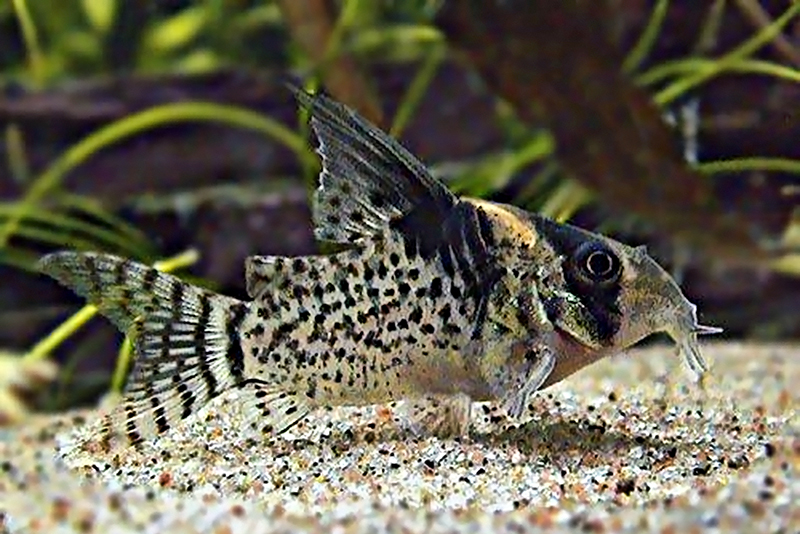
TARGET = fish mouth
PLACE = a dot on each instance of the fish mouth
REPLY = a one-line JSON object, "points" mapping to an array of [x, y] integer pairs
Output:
{"points": [[685, 331]]}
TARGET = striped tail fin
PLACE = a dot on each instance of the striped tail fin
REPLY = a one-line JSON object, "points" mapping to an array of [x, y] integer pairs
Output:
{"points": [[185, 338]]}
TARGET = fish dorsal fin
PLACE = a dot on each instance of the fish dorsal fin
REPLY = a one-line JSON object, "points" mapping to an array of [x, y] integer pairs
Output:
{"points": [[368, 179]]}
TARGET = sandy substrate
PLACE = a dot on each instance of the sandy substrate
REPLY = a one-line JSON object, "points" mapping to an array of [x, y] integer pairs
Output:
{"points": [[628, 445]]}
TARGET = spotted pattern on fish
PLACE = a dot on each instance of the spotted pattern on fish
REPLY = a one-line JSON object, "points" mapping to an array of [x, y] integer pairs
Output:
{"points": [[430, 295], [357, 319]]}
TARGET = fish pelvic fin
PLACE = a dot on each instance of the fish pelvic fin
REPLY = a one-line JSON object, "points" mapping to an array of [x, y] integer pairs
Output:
{"points": [[186, 339], [270, 409]]}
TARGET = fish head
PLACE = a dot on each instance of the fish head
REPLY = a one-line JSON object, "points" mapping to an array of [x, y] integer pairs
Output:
{"points": [[650, 301], [608, 296]]}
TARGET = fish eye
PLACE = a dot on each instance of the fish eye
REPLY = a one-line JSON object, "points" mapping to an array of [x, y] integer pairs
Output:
{"points": [[597, 262]]}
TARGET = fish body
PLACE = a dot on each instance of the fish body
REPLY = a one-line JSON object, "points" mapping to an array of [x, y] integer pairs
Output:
{"points": [[431, 294]]}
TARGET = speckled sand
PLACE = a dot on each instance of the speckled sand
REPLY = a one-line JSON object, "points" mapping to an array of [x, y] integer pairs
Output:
{"points": [[622, 446]]}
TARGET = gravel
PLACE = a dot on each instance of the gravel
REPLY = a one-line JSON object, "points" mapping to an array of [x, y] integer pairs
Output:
{"points": [[630, 444]]}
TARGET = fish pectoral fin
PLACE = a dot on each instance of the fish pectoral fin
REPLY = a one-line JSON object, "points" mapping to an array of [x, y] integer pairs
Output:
{"points": [[440, 415], [270, 409], [520, 388]]}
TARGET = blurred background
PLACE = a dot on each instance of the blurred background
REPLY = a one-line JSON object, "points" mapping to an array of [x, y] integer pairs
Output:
{"points": [[152, 128]]}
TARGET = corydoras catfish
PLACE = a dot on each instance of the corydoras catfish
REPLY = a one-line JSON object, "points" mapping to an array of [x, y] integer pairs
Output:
{"points": [[430, 295]]}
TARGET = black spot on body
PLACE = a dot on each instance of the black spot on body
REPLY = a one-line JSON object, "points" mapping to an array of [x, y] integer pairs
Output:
{"points": [[319, 291], [382, 270], [435, 288], [311, 392], [455, 291], [299, 291], [149, 280], [298, 265], [451, 329], [256, 331]]}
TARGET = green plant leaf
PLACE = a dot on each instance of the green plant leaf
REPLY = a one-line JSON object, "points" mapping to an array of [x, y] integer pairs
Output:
{"points": [[66, 230], [54, 236], [82, 46], [31, 38], [648, 38], [714, 68], [24, 260], [492, 172], [200, 60], [142, 121], [397, 42], [416, 90], [568, 198], [177, 31], [17, 157], [787, 165], [100, 14], [134, 238]]}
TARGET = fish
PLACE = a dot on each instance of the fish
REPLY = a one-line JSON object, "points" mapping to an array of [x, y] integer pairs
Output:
{"points": [[426, 295]]}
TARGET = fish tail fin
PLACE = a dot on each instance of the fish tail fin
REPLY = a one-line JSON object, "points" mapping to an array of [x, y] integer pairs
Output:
{"points": [[186, 339]]}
